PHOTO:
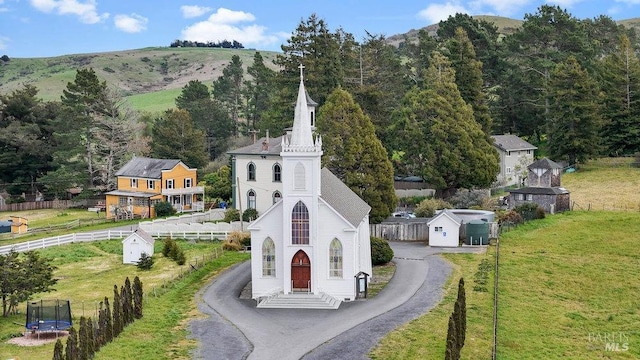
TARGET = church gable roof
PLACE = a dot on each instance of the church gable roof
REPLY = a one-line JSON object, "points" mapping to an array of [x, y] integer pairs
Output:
{"points": [[144, 167], [342, 199], [273, 147]]}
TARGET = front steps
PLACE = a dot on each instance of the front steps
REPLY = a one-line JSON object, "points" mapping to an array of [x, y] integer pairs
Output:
{"points": [[300, 301]]}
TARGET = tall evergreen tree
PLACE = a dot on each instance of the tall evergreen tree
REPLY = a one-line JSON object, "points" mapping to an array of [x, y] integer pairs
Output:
{"points": [[439, 136], [127, 301], [175, 138], [257, 90], [469, 77], [71, 351], [108, 331], [355, 155], [574, 133], [137, 297], [620, 74], [58, 350], [83, 339], [118, 320], [91, 343], [26, 139], [228, 89]]}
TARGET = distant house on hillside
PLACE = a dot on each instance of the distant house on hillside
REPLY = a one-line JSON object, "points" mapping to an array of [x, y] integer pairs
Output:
{"points": [[515, 155], [144, 182], [544, 188]]}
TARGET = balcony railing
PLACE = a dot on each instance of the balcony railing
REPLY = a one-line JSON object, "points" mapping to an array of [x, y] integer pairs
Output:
{"points": [[184, 191]]}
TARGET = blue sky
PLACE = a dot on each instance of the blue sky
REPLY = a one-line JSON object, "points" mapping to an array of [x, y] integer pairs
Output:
{"points": [[42, 28]]}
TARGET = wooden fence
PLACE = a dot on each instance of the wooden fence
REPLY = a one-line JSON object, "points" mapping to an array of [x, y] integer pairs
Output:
{"points": [[401, 232], [37, 205]]}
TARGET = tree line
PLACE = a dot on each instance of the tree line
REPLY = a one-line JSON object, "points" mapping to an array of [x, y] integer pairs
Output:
{"points": [[426, 108], [225, 44]]}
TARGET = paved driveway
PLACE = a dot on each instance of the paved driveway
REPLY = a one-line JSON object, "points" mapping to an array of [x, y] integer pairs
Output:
{"points": [[236, 329]]}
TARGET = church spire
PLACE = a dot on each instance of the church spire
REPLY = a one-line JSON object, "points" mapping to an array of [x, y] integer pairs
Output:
{"points": [[301, 134]]}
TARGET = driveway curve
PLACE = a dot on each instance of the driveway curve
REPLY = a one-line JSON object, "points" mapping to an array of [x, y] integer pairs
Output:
{"points": [[237, 329]]}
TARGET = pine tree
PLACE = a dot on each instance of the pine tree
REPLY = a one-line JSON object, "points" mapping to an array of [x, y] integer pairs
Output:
{"points": [[137, 298], [461, 301], [128, 301], [58, 353], [469, 77], [574, 133], [173, 137], [83, 340], [108, 330], [257, 90], [91, 341], [620, 73], [451, 351], [355, 155], [228, 89]]}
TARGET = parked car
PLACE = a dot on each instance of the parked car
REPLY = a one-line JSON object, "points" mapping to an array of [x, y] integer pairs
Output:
{"points": [[404, 215]]}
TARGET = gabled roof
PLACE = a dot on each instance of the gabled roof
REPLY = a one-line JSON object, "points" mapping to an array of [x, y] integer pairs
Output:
{"points": [[540, 191], [510, 142], [544, 163], [142, 235], [143, 167], [274, 147], [342, 199], [448, 213]]}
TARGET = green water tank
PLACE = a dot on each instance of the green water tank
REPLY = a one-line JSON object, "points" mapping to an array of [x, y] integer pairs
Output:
{"points": [[477, 233]]}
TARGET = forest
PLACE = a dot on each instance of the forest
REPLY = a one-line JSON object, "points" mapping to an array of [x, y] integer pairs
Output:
{"points": [[567, 85]]}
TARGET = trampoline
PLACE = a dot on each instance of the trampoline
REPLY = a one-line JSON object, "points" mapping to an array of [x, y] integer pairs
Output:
{"points": [[48, 316]]}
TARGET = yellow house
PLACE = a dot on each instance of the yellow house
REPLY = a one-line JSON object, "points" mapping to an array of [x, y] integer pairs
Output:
{"points": [[144, 182]]}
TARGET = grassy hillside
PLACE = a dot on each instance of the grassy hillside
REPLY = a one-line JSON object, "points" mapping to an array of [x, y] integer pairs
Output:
{"points": [[133, 72]]}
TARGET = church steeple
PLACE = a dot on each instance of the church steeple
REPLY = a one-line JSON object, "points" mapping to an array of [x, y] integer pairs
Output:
{"points": [[302, 133]]}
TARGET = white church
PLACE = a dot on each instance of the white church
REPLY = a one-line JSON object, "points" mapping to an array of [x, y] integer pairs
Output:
{"points": [[310, 248]]}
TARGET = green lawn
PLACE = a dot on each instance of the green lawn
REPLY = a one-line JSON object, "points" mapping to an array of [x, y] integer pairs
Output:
{"points": [[155, 102], [567, 283], [87, 273]]}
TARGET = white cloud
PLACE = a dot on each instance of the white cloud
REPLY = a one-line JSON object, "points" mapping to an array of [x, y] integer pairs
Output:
{"points": [[434, 13], [223, 25], [133, 23], [500, 7], [191, 11], [86, 12]]}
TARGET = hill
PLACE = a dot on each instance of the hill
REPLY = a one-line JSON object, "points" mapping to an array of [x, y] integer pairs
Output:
{"points": [[151, 76], [505, 26]]}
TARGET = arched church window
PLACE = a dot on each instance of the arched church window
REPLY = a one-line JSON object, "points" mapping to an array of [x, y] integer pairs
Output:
{"points": [[277, 196], [251, 199], [299, 177], [300, 224], [251, 172], [335, 259], [268, 258], [277, 173]]}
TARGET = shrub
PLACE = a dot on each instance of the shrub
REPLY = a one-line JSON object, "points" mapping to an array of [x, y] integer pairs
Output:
{"points": [[381, 252], [164, 209], [231, 215], [180, 258], [145, 262], [529, 211], [467, 199], [250, 214], [427, 208], [230, 246], [168, 245], [511, 217]]}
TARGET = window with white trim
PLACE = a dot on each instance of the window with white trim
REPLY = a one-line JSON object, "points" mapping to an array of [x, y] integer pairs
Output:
{"points": [[277, 173], [188, 183], [276, 196], [169, 184], [529, 197], [268, 258], [251, 199], [508, 170], [251, 172], [151, 184], [437, 229], [134, 183], [335, 259], [520, 197], [300, 224]]}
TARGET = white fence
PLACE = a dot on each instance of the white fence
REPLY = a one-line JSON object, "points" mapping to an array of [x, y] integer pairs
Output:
{"points": [[65, 239]]}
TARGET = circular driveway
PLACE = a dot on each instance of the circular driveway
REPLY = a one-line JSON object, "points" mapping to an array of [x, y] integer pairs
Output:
{"points": [[237, 329]]}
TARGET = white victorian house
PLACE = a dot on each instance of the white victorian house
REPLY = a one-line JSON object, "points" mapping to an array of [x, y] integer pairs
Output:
{"points": [[311, 248]]}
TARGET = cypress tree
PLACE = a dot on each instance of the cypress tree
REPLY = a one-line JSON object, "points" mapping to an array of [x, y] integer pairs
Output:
{"points": [[100, 328], [83, 340], [137, 297], [451, 351], [71, 351], [127, 302], [58, 351], [91, 344], [117, 312], [462, 313], [108, 330]]}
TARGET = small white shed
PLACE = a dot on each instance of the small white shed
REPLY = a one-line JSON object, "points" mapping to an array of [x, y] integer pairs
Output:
{"points": [[135, 244], [444, 229]]}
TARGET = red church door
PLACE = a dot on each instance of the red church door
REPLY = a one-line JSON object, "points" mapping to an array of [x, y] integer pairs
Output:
{"points": [[301, 272]]}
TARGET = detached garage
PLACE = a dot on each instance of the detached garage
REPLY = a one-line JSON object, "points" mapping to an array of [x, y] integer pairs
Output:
{"points": [[135, 244], [444, 229]]}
